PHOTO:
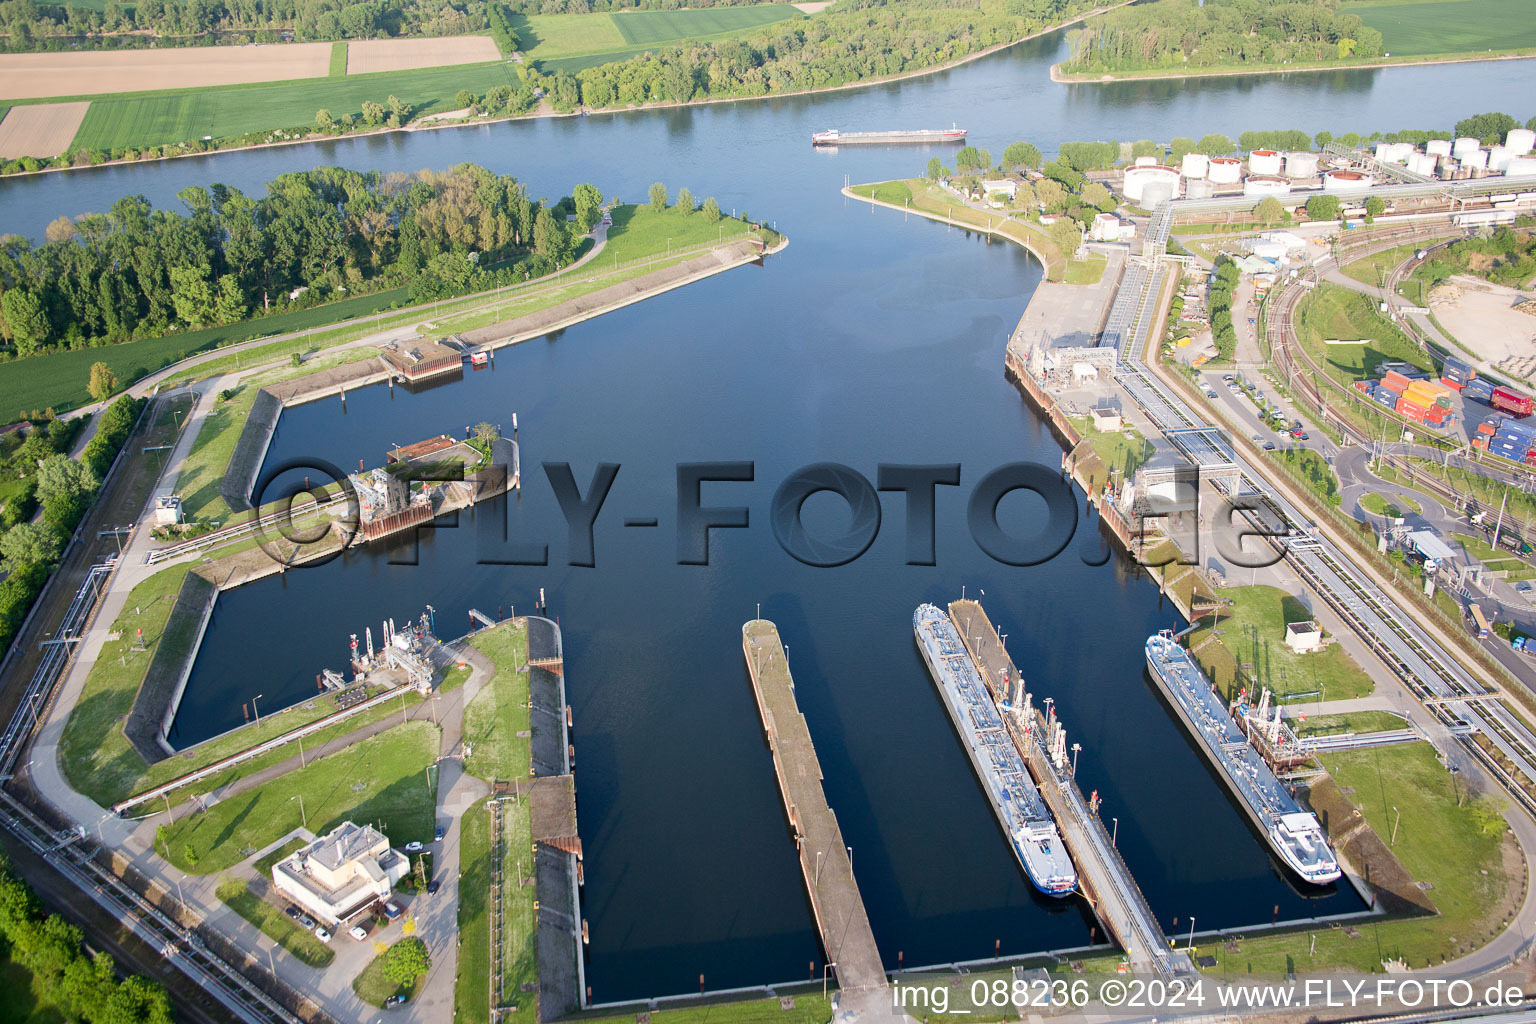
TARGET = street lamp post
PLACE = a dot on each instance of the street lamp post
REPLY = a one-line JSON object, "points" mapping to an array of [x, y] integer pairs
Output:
{"points": [[850, 863], [824, 969], [303, 817], [1191, 932], [1114, 836], [253, 707], [1075, 748], [818, 867]]}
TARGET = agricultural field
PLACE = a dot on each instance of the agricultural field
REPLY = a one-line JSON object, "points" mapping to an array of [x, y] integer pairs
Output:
{"points": [[366, 56], [1422, 27], [159, 118], [40, 129], [92, 72], [553, 40]]}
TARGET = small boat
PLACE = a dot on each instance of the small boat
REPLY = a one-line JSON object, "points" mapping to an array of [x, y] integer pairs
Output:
{"points": [[478, 359]]}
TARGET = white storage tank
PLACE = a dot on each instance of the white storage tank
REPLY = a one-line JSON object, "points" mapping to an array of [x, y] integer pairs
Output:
{"points": [[1138, 178], [1438, 147], [1464, 145], [1199, 188], [1347, 181], [1520, 141], [1476, 160], [1146, 161], [1194, 165], [1422, 163], [1301, 165], [1498, 158], [1154, 192], [1393, 152], [1264, 161], [1266, 185], [1225, 170], [1520, 166]]}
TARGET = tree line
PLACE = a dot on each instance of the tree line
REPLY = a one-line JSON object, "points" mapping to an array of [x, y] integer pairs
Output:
{"points": [[30, 25], [138, 272], [1213, 33], [84, 987]]}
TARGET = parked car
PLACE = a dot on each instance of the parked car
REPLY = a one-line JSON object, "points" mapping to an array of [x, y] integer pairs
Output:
{"points": [[1303, 436], [433, 886], [358, 932], [292, 911], [437, 836], [306, 921], [392, 910], [323, 934], [1269, 446], [413, 847], [394, 1000], [1210, 393]]}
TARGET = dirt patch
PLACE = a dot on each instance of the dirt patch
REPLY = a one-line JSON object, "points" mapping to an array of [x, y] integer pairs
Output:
{"points": [[44, 129], [31, 75], [366, 55], [1486, 318], [815, 7]]}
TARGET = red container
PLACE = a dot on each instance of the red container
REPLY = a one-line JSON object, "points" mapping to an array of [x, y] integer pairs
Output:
{"points": [[1512, 401], [1487, 429], [1480, 442], [1454, 385], [1395, 381]]}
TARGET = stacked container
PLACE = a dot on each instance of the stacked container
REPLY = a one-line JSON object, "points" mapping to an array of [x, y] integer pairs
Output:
{"points": [[1479, 388], [1456, 374], [1395, 382], [1513, 440]]}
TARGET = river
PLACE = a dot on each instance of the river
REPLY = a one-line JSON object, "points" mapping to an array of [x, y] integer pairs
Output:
{"points": [[872, 338]]}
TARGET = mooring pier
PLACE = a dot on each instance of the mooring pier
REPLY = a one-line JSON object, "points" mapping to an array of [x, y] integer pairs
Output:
{"points": [[839, 909], [1104, 879]]}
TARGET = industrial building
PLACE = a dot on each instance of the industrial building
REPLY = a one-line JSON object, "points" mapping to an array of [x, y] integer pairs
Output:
{"points": [[341, 874]]}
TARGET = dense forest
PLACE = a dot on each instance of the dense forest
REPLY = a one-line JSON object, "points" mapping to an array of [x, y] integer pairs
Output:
{"points": [[136, 271], [1170, 34], [30, 25], [79, 984]]}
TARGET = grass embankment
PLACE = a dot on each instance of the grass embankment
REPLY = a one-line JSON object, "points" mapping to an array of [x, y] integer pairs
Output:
{"points": [[1456, 843], [1089, 271], [1490, 493], [1123, 451], [809, 1008], [338, 60], [273, 923], [1167, 563], [1333, 313], [1312, 470], [926, 196], [60, 378], [1392, 505], [1349, 722], [1253, 636], [374, 988], [1374, 269], [381, 780], [492, 723]]}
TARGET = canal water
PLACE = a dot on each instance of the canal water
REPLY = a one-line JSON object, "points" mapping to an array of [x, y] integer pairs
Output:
{"points": [[872, 339]]}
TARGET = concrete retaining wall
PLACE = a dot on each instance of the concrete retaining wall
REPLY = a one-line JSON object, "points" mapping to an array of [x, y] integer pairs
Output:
{"points": [[159, 696]]}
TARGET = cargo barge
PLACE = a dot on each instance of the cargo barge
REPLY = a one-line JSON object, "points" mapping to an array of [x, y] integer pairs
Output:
{"points": [[1012, 792], [1293, 834], [833, 137]]}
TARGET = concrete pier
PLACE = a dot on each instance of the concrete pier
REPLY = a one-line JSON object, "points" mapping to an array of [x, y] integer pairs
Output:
{"points": [[1103, 877], [839, 909]]}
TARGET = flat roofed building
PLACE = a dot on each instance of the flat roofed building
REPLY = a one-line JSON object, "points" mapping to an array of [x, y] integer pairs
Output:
{"points": [[1302, 637], [339, 875]]}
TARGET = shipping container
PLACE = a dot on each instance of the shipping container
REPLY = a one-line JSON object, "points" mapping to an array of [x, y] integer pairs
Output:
{"points": [[1515, 402], [1394, 380], [1454, 385]]}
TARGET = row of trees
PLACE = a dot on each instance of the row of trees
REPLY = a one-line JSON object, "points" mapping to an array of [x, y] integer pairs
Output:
{"points": [[29, 25], [64, 488], [1192, 33], [136, 271], [686, 203], [84, 987], [1219, 304]]}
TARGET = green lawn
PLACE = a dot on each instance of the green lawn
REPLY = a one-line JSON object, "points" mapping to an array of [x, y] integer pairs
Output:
{"points": [[519, 919], [373, 987], [156, 118], [380, 780], [1089, 271], [264, 865], [299, 941], [1500, 560], [338, 60], [1374, 269], [1255, 636], [1445, 837], [1380, 504], [59, 379], [1336, 313], [1125, 450], [24, 1002], [500, 711], [554, 40], [652, 28], [897, 193], [639, 231], [1447, 26], [1353, 721], [471, 988]]}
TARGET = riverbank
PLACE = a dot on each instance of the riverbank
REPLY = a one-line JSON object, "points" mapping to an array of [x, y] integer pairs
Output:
{"points": [[545, 112], [1061, 77]]}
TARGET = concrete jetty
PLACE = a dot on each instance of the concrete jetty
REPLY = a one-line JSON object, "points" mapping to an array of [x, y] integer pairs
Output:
{"points": [[1103, 877], [839, 909]]}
